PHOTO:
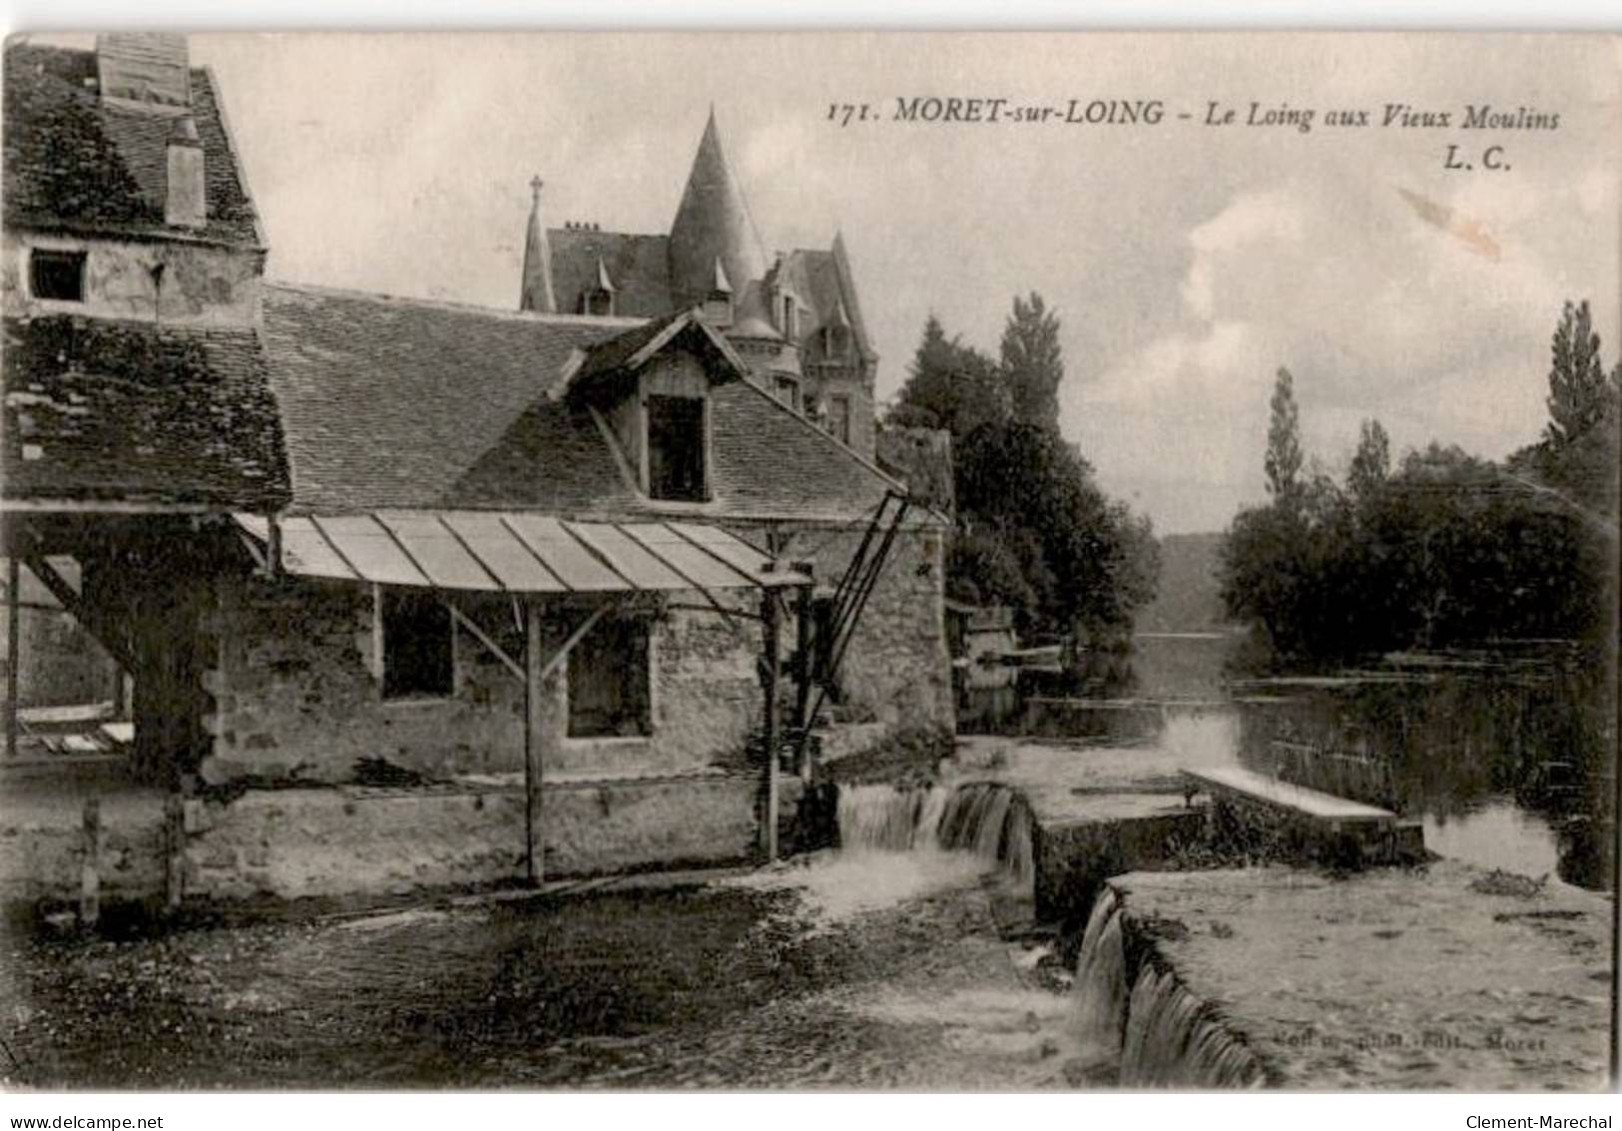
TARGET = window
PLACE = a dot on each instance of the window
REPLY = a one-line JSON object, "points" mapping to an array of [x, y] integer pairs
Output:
{"points": [[836, 342], [790, 329], [598, 303], [822, 645], [57, 275], [676, 448], [608, 681], [418, 646], [787, 390], [839, 418], [718, 308]]}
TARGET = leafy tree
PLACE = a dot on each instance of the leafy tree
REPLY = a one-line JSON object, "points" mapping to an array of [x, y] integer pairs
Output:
{"points": [[1283, 460], [1036, 533], [950, 385], [1032, 364], [1580, 395], [1371, 463]]}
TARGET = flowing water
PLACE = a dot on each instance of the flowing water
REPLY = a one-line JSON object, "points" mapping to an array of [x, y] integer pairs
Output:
{"points": [[989, 820], [1159, 1034]]}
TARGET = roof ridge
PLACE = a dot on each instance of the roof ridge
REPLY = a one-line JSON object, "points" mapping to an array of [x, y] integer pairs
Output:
{"points": [[607, 232], [382, 298]]}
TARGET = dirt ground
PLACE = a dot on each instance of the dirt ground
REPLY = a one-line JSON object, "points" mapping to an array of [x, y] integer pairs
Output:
{"points": [[887, 972]]}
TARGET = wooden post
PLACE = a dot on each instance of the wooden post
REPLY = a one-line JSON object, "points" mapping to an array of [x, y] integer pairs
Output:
{"points": [[769, 620], [14, 638], [534, 844], [89, 870], [174, 851], [803, 670]]}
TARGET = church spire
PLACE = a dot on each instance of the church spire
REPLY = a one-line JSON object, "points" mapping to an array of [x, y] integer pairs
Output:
{"points": [[712, 223], [536, 293]]}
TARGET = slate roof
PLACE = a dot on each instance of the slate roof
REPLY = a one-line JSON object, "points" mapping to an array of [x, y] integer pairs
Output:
{"points": [[822, 281], [98, 409], [712, 222], [74, 162], [638, 266], [404, 403]]}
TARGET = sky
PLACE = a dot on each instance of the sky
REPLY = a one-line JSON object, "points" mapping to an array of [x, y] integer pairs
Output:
{"points": [[1186, 262]]}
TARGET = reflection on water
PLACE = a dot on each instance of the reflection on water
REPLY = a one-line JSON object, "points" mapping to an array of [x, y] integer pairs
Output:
{"points": [[1508, 765], [1497, 835]]}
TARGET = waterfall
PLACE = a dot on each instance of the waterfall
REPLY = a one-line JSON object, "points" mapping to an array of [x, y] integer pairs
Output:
{"points": [[1100, 986], [1162, 1035], [889, 819], [988, 819], [993, 822]]}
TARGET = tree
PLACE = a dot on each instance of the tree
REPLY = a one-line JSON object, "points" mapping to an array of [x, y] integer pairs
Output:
{"points": [[1371, 463], [1283, 459], [949, 385], [1036, 533], [1580, 396], [1032, 364]]}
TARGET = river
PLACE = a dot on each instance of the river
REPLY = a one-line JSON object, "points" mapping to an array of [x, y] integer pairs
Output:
{"points": [[1507, 759]]}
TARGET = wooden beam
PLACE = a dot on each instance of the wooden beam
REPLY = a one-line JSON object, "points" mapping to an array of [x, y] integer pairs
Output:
{"points": [[574, 638], [109, 506], [80, 610], [90, 864], [13, 651], [534, 844], [802, 671], [482, 637], [768, 824]]}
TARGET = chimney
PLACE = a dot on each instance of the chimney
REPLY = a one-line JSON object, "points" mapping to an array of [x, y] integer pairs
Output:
{"points": [[185, 204], [146, 68]]}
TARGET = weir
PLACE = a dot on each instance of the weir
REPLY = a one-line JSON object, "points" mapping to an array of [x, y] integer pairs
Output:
{"points": [[988, 819], [1160, 1034]]}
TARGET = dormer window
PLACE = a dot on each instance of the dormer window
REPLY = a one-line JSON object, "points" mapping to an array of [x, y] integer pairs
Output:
{"points": [[787, 390], [839, 418], [836, 342], [598, 302], [56, 275], [676, 449], [718, 308]]}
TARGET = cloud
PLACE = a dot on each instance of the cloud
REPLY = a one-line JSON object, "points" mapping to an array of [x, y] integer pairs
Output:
{"points": [[1382, 302]]}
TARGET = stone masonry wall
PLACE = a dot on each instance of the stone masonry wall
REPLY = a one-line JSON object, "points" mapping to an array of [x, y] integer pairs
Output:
{"points": [[198, 285], [897, 670], [297, 843], [296, 701]]}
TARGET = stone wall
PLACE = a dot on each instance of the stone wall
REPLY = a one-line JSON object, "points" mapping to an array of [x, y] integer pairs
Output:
{"points": [[199, 285], [923, 457], [349, 841], [897, 670], [296, 699]]}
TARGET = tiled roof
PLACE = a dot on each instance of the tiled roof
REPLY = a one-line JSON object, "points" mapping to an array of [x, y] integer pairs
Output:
{"points": [[111, 410], [821, 279], [74, 161], [639, 267], [400, 403], [389, 402], [712, 222]]}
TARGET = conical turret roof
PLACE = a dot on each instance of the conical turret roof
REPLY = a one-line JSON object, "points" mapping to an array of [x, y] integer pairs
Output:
{"points": [[712, 223]]}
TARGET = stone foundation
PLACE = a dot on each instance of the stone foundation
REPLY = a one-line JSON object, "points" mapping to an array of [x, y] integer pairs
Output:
{"points": [[296, 843]]}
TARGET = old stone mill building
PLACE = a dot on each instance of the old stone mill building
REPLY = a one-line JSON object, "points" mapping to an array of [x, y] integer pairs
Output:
{"points": [[409, 593]]}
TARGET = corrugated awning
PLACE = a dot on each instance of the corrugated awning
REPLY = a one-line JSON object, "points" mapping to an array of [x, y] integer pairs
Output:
{"points": [[518, 552]]}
